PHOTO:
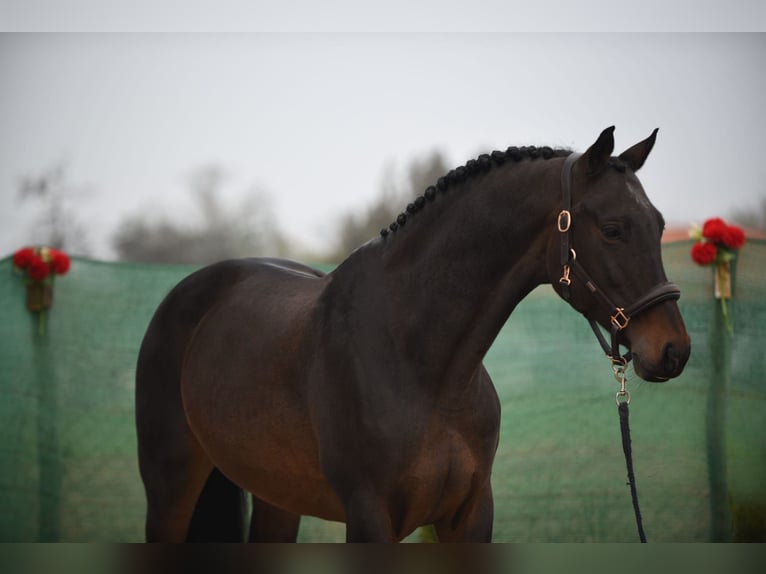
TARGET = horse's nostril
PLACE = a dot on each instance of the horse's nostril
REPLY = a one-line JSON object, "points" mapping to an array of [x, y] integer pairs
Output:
{"points": [[671, 359]]}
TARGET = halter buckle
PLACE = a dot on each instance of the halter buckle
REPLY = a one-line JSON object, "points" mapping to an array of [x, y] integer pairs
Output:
{"points": [[620, 319], [564, 221]]}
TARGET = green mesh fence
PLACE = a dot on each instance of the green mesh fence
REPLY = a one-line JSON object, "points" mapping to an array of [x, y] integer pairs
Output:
{"points": [[68, 466]]}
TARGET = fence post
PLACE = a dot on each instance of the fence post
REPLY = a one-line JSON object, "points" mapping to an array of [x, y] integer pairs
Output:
{"points": [[715, 426]]}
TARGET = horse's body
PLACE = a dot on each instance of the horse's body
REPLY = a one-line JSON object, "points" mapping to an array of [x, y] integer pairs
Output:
{"points": [[360, 396]]}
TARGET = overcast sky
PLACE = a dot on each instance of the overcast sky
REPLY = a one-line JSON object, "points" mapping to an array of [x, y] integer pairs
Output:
{"points": [[388, 16], [315, 119]]}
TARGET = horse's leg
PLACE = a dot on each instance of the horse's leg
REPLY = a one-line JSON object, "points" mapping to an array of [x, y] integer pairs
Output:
{"points": [[367, 519], [473, 520], [272, 524], [220, 512], [173, 486]]}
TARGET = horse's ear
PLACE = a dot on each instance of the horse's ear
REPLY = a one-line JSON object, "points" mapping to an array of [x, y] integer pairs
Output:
{"points": [[598, 154], [635, 156]]}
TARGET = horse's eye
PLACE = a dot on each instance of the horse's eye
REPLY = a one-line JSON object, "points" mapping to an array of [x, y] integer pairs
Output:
{"points": [[611, 231]]}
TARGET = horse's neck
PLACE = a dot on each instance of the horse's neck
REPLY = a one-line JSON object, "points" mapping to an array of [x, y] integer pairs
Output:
{"points": [[455, 271]]}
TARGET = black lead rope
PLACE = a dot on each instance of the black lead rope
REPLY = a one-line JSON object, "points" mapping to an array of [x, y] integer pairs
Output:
{"points": [[622, 408]]}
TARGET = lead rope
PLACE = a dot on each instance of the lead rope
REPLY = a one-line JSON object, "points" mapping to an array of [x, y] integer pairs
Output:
{"points": [[623, 400]]}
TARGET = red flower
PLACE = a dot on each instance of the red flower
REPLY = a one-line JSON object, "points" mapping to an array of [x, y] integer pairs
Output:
{"points": [[704, 253], [38, 269], [733, 237], [23, 257], [59, 262], [714, 229]]}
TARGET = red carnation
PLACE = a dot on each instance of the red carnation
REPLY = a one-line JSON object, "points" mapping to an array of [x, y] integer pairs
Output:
{"points": [[704, 253], [23, 257], [714, 229], [38, 269], [733, 237], [59, 262]]}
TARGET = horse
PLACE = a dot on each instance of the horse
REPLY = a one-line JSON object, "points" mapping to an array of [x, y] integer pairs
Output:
{"points": [[360, 396]]}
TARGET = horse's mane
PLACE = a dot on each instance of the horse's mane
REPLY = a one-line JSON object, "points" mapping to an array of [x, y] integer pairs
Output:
{"points": [[473, 167], [482, 164]]}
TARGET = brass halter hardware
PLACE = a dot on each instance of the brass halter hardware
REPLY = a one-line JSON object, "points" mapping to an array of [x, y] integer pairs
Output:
{"points": [[619, 315], [619, 319], [565, 280]]}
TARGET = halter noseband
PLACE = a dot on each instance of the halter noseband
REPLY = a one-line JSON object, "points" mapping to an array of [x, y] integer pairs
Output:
{"points": [[620, 316]]}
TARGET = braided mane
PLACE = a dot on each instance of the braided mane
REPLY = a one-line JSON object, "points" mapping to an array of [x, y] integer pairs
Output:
{"points": [[481, 164]]}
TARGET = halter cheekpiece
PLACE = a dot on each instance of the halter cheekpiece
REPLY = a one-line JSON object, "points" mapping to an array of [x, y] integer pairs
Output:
{"points": [[619, 316]]}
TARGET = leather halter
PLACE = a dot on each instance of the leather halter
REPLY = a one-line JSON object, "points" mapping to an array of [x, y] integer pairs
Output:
{"points": [[619, 316]]}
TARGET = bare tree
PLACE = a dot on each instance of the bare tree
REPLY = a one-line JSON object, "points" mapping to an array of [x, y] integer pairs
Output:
{"points": [[357, 228], [59, 226], [222, 232], [753, 217]]}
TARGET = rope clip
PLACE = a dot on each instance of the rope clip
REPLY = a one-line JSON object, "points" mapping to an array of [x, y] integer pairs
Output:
{"points": [[619, 366]]}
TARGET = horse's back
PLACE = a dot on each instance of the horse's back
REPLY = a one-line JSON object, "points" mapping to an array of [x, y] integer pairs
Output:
{"points": [[184, 307]]}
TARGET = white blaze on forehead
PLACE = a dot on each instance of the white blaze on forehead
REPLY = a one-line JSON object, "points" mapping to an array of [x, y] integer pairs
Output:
{"points": [[637, 194]]}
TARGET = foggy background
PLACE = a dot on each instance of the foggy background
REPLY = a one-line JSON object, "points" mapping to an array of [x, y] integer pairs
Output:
{"points": [[193, 147]]}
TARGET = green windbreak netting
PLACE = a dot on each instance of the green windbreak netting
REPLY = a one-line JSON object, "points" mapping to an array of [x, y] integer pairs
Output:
{"points": [[68, 467]]}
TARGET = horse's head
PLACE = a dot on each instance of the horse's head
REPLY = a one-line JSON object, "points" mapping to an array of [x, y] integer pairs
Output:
{"points": [[605, 258]]}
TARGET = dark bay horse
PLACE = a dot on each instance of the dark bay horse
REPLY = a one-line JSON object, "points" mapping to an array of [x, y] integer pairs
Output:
{"points": [[360, 396]]}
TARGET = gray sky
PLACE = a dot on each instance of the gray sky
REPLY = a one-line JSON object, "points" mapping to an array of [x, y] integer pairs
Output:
{"points": [[314, 119], [388, 16]]}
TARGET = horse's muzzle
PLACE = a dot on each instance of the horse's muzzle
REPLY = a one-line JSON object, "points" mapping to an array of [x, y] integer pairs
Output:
{"points": [[670, 364]]}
